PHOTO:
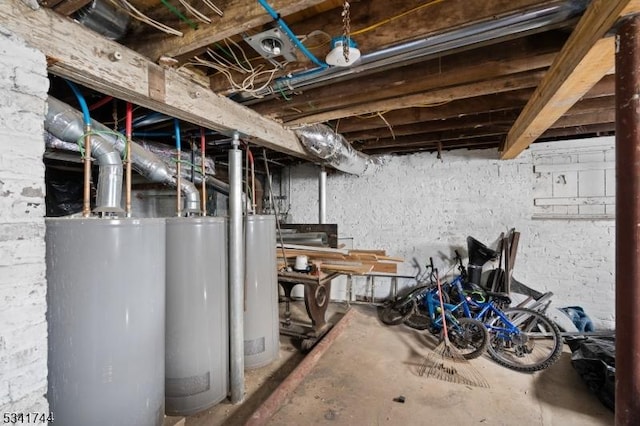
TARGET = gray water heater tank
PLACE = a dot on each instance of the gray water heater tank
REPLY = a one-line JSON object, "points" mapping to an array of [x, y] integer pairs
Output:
{"points": [[261, 324], [106, 313], [197, 337]]}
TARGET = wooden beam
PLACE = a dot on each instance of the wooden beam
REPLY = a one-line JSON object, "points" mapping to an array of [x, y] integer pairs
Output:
{"points": [[239, 16], [479, 64], [582, 62], [433, 97], [81, 55], [467, 122], [507, 101]]}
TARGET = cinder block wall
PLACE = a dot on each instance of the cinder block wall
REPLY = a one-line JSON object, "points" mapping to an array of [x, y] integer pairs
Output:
{"points": [[417, 206], [23, 327]]}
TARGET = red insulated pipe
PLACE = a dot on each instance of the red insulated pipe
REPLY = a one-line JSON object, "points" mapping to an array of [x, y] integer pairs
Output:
{"points": [[100, 103]]}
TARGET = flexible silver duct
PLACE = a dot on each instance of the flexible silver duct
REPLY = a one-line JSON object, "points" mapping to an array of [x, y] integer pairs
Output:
{"points": [[60, 124], [104, 18], [168, 155], [64, 119], [334, 150]]}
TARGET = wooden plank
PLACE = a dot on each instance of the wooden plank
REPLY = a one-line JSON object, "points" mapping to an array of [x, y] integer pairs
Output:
{"points": [[313, 249], [377, 252], [384, 267], [583, 61], [83, 56], [239, 16], [575, 201], [550, 168], [359, 270], [447, 94], [475, 65]]}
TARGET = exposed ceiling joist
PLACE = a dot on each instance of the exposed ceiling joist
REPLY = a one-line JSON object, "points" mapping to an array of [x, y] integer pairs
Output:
{"points": [[582, 62], [433, 97], [239, 16], [117, 71]]}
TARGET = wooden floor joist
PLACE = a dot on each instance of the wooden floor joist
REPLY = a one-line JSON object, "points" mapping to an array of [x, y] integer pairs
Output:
{"points": [[585, 58]]}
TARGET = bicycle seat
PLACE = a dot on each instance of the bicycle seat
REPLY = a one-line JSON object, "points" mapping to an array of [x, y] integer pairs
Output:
{"points": [[500, 297], [479, 254]]}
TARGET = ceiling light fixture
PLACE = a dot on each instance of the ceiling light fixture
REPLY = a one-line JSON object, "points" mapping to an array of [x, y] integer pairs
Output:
{"points": [[337, 57]]}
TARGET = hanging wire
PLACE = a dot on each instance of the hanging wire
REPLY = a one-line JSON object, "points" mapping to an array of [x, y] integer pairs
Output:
{"points": [[136, 14], [393, 18]]}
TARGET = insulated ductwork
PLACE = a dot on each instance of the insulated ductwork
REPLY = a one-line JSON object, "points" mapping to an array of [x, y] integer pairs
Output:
{"points": [[168, 155], [104, 18], [65, 122], [61, 127], [334, 150]]}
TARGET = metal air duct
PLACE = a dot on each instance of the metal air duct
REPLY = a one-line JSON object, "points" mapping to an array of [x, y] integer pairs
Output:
{"points": [[103, 18], [64, 120], [61, 125], [334, 150]]}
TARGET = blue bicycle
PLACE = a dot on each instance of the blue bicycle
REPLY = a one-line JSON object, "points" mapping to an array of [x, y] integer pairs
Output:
{"points": [[469, 336], [521, 339]]}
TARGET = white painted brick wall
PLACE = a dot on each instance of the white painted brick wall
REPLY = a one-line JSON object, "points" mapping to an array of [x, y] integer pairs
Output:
{"points": [[417, 206], [23, 327]]}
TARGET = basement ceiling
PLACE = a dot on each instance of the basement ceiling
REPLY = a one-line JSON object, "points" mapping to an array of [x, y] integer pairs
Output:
{"points": [[433, 75]]}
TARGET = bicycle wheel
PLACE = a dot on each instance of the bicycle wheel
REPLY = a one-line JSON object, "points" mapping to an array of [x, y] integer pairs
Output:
{"points": [[419, 319], [536, 346], [469, 336], [392, 314]]}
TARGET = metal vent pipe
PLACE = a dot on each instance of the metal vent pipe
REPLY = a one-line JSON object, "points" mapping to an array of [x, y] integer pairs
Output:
{"points": [[334, 150], [64, 119], [66, 125]]}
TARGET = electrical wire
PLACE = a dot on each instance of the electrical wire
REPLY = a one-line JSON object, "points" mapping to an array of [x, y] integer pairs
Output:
{"points": [[195, 12], [213, 7], [393, 18], [136, 14], [179, 14]]}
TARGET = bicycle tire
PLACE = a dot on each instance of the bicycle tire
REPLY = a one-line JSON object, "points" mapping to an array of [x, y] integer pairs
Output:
{"points": [[541, 336], [390, 315], [418, 320], [469, 334]]}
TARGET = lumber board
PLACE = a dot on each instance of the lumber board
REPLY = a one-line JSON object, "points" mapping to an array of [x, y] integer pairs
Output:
{"points": [[79, 54], [463, 91], [376, 252], [313, 249], [346, 269], [585, 58]]}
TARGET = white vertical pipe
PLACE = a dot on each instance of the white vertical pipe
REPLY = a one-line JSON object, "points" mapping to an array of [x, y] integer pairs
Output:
{"points": [[322, 196], [236, 274]]}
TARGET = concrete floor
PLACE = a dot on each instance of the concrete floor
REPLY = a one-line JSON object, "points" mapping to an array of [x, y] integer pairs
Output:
{"points": [[356, 380], [370, 364]]}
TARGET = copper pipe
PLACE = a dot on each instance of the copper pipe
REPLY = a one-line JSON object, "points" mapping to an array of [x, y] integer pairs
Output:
{"points": [[86, 200], [627, 66], [204, 178]]}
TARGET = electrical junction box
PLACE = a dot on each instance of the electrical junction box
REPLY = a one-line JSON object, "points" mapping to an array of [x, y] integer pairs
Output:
{"points": [[273, 43]]}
